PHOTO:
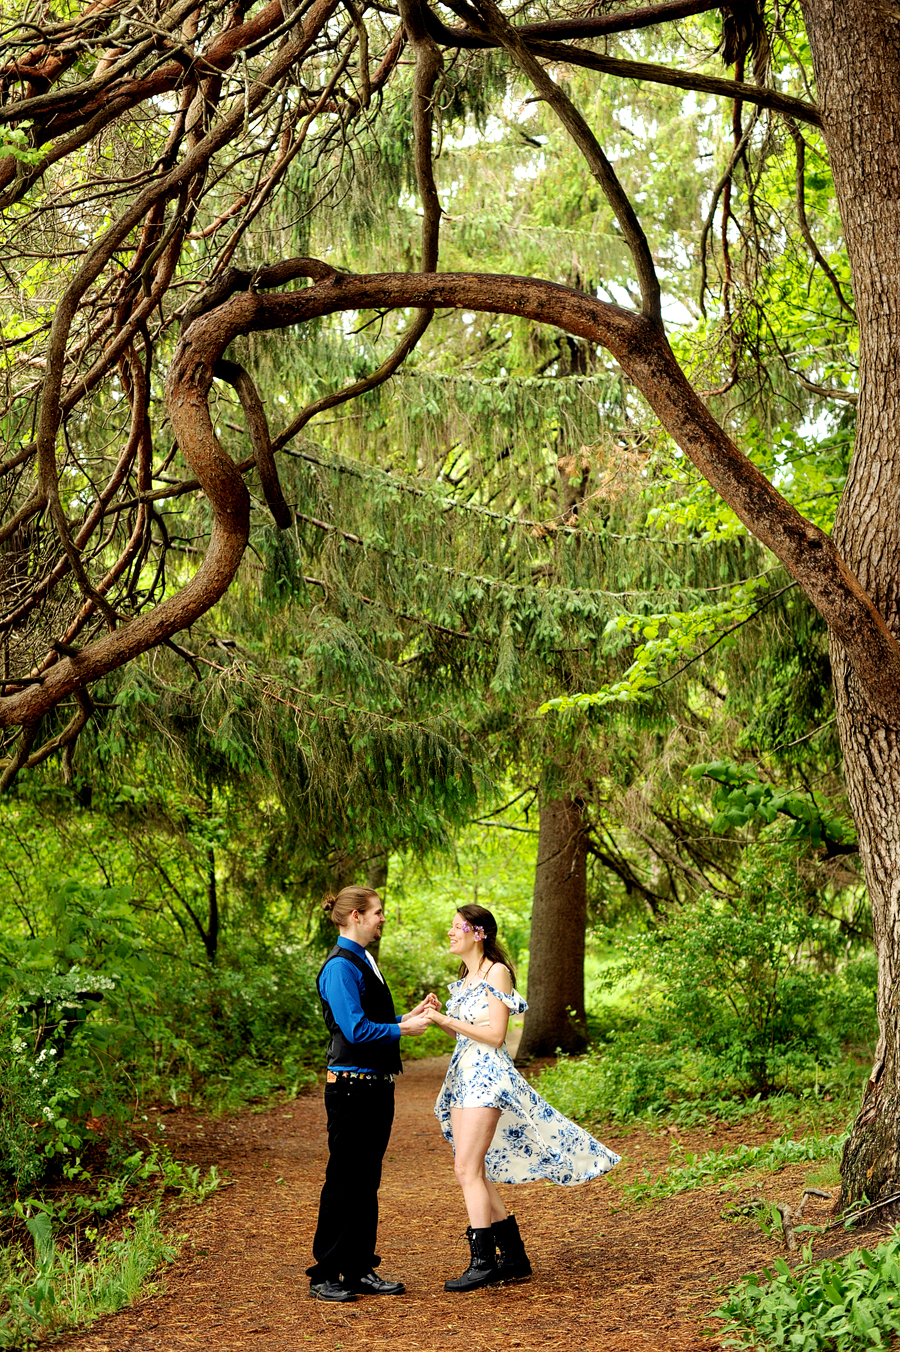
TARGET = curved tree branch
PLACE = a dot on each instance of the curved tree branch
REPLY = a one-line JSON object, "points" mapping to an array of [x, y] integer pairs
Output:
{"points": [[652, 73], [258, 427], [634, 340], [587, 26], [429, 70], [98, 255], [815, 252]]}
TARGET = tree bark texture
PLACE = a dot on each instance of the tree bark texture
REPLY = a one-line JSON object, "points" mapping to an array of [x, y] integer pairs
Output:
{"points": [[556, 1017], [856, 52]]}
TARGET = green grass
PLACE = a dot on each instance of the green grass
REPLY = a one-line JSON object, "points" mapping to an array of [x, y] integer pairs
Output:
{"points": [[66, 1273], [56, 1290], [699, 1171]]}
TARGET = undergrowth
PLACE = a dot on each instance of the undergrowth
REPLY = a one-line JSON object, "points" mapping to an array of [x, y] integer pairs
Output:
{"points": [[57, 1289], [66, 1273], [841, 1306], [698, 1171]]}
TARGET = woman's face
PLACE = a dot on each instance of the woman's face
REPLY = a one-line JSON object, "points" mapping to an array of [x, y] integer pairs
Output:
{"points": [[461, 936]]}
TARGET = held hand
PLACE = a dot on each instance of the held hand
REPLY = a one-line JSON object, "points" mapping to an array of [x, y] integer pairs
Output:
{"points": [[415, 1024], [434, 1015], [430, 1002]]}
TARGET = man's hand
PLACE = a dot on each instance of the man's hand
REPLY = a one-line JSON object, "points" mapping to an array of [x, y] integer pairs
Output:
{"points": [[414, 1024], [430, 1002]]}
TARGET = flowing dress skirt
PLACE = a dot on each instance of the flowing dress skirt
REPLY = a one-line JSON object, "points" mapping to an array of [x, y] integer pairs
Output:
{"points": [[532, 1140]]}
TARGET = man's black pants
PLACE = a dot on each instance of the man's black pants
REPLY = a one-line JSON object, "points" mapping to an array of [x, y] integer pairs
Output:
{"points": [[360, 1115]]}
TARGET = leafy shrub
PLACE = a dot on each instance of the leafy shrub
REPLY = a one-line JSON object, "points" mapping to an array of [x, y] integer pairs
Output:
{"points": [[35, 1106], [818, 1307], [629, 1076], [750, 983], [97, 1015], [240, 1030], [738, 1000], [413, 968], [852, 1009], [740, 980]]}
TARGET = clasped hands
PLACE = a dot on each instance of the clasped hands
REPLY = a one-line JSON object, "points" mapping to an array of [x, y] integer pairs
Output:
{"points": [[420, 1019]]}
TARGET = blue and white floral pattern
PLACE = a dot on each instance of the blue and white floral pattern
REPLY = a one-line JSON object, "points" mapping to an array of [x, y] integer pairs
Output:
{"points": [[532, 1140]]}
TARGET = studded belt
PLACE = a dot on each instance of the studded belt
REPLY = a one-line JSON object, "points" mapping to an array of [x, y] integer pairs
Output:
{"points": [[333, 1076]]}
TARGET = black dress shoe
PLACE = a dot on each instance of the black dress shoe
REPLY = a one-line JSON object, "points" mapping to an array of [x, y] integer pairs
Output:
{"points": [[331, 1290], [370, 1285]]}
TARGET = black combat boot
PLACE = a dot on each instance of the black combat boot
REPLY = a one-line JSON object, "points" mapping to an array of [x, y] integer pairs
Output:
{"points": [[513, 1264], [482, 1269]]}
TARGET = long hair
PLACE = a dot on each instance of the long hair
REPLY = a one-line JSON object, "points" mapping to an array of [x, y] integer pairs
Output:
{"points": [[480, 918], [348, 900]]}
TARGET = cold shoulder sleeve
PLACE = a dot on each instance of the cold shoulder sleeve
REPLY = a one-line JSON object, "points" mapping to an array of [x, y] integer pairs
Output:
{"points": [[514, 1002]]}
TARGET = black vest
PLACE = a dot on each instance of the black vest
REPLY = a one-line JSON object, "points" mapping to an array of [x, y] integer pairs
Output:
{"points": [[377, 1005]]}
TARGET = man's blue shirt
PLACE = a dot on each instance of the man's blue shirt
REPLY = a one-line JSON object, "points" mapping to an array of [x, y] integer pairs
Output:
{"points": [[341, 987]]}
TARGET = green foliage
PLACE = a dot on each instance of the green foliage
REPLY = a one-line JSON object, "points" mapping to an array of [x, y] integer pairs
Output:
{"points": [[501, 521], [97, 1008], [76, 1273], [684, 632], [37, 1098], [742, 796], [493, 864], [841, 1306], [687, 1171], [727, 1003], [413, 967], [243, 1030], [746, 981], [14, 141], [54, 1290]]}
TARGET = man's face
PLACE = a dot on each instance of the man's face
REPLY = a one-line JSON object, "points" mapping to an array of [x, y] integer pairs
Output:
{"points": [[371, 923]]}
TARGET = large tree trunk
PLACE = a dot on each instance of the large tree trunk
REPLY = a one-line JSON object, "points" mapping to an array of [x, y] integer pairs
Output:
{"points": [[856, 50], [555, 1018]]}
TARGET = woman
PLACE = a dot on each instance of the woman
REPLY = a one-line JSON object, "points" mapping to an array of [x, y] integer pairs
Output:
{"points": [[500, 1129]]}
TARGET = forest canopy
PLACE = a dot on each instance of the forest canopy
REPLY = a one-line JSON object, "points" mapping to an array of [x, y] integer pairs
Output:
{"points": [[416, 418]]}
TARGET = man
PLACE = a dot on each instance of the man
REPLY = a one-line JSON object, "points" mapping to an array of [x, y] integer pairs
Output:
{"points": [[363, 1058]]}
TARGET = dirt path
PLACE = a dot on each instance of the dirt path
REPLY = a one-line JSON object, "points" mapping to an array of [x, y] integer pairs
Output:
{"points": [[604, 1279]]}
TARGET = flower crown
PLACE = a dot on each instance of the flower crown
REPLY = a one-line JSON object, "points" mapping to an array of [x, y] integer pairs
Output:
{"points": [[477, 930]]}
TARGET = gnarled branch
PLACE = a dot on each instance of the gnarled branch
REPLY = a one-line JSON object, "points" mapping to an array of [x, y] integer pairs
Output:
{"points": [[636, 343]]}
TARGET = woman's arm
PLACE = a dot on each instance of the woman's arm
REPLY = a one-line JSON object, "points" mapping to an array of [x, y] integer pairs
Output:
{"points": [[494, 1032]]}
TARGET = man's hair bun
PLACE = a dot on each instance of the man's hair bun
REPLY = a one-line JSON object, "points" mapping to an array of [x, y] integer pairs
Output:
{"points": [[349, 899]]}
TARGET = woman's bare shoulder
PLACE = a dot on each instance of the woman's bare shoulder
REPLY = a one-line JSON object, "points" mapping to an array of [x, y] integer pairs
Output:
{"points": [[499, 977]]}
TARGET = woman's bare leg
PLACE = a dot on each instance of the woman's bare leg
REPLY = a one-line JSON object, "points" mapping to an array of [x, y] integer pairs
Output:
{"points": [[473, 1130], [498, 1210]]}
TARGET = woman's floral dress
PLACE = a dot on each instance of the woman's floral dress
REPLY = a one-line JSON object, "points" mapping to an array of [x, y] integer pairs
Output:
{"points": [[532, 1139]]}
